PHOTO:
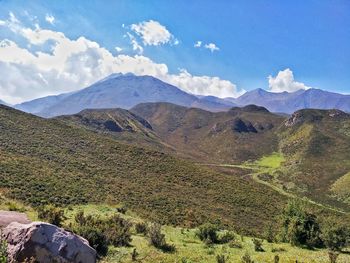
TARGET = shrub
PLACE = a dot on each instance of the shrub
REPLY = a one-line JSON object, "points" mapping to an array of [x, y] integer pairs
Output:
{"points": [[112, 230], [51, 214], [97, 239], [221, 258], [141, 228], [299, 227], [246, 258], [335, 236], [157, 238], [276, 259], [226, 237], [208, 233], [258, 245]]}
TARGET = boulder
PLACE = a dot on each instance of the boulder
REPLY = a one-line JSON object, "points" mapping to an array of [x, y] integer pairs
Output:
{"points": [[7, 217], [46, 243]]}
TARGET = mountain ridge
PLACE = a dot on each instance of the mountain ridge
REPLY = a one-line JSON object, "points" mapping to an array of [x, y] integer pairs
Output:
{"points": [[127, 90]]}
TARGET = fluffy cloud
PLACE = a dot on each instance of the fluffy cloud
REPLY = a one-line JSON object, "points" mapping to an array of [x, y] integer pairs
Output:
{"points": [[284, 81], [118, 49], [203, 85], [50, 19], [153, 33], [212, 47], [72, 64]]}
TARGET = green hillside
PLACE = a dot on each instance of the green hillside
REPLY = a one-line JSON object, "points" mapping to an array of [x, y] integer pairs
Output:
{"points": [[47, 161], [316, 145]]}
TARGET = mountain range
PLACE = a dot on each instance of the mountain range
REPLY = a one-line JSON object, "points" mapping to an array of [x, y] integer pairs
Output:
{"points": [[127, 90]]}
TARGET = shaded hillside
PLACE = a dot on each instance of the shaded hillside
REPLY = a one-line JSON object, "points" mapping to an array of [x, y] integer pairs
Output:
{"points": [[119, 123], [47, 161], [237, 135], [316, 144], [117, 91]]}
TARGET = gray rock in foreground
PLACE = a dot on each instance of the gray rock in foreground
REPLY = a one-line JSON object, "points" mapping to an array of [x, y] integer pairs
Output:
{"points": [[46, 243]]}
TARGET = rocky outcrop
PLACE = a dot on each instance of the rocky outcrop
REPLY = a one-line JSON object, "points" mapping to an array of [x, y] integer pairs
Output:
{"points": [[46, 243]]}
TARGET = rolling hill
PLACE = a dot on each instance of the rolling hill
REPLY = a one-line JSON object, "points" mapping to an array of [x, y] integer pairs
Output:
{"points": [[237, 135], [118, 123], [48, 161]]}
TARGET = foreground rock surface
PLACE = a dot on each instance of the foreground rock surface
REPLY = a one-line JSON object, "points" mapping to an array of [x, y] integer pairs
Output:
{"points": [[7, 217], [46, 243]]}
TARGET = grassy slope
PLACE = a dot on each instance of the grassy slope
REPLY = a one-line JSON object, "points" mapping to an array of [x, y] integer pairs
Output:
{"points": [[47, 161], [316, 148], [190, 249]]}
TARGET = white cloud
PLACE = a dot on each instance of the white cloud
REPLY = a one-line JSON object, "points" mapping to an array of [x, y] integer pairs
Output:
{"points": [[118, 49], [198, 44], [153, 33], [73, 64], [284, 81], [203, 85], [50, 19], [212, 47]]}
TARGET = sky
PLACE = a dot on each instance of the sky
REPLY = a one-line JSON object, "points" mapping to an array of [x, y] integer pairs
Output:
{"points": [[220, 48]]}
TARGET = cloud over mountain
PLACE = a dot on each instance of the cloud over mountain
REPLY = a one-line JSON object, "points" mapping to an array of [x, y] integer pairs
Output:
{"points": [[61, 64], [284, 81]]}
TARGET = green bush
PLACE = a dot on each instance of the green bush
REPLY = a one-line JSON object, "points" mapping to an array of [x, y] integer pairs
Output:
{"points": [[335, 236], [157, 238], [97, 239], [51, 214], [226, 237], [299, 227], [112, 230], [208, 233]]}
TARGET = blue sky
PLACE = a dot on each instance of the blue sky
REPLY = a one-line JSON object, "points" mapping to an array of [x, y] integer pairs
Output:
{"points": [[255, 39]]}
